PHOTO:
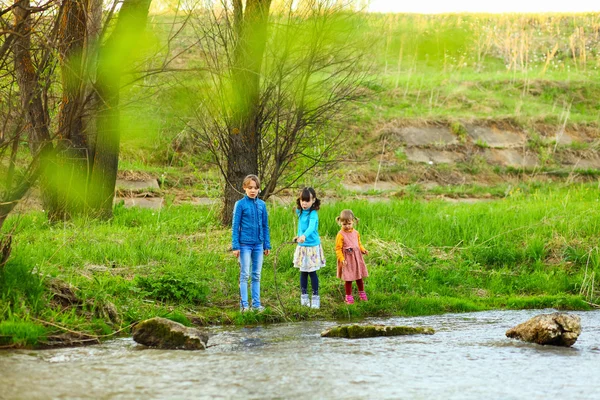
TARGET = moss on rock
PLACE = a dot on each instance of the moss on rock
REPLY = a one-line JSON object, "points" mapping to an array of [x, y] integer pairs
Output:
{"points": [[364, 331], [167, 334]]}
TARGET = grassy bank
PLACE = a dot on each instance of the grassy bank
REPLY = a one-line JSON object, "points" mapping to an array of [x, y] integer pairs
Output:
{"points": [[530, 73], [537, 247], [529, 68]]}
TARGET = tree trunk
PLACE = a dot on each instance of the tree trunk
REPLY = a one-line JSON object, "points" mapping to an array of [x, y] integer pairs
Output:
{"points": [[94, 28], [72, 147], [113, 57], [36, 115], [71, 40], [244, 139], [31, 98]]}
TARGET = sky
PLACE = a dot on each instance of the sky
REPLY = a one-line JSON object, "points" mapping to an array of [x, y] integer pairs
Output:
{"points": [[486, 6]]}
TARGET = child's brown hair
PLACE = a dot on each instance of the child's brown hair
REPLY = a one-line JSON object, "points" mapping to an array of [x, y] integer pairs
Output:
{"points": [[346, 215], [251, 178]]}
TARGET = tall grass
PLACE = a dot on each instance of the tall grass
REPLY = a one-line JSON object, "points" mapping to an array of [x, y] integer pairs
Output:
{"points": [[455, 66], [535, 248], [522, 42], [476, 66]]}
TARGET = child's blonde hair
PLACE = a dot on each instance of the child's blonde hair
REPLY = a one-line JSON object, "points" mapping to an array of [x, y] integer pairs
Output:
{"points": [[346, 216], [251, 178]]}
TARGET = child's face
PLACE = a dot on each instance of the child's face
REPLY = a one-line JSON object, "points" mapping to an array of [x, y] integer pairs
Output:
{"points": [[306, 205], [251, 189], [347, 225]]}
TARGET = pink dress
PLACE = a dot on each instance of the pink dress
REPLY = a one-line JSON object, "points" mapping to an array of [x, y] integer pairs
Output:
{"points": [[355, 267]]}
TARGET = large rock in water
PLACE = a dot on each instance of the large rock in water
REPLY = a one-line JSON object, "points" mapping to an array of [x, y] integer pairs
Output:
{"points": [[365, 331], [557, 329], [166, 334]]}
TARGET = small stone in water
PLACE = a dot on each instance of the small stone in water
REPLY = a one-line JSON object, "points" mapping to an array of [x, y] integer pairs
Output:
{"points": [[364, 331]]}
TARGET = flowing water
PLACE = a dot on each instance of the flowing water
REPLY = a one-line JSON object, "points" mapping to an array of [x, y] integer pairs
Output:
{"points": [[468, 357]]}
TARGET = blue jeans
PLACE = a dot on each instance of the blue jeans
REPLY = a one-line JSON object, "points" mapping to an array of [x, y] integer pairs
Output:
{"points": [[250, 254]]}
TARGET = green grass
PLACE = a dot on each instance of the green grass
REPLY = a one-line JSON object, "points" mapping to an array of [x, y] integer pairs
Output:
{"points": [[15, 332], [532, 248]]}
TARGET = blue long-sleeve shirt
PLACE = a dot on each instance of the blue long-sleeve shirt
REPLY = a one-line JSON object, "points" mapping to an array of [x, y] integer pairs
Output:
{"points": [[250, 224], [308, 225]]}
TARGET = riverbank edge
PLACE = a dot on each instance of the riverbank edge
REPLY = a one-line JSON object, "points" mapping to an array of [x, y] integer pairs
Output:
{"points": [[56, 336], [535, 249]]}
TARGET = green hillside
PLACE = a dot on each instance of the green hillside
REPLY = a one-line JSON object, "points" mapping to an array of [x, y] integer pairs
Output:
{"points": [[536, 75]]}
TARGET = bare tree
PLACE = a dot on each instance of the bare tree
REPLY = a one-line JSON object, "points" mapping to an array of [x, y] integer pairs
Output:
{"points": [[280, 116], [315, 73], [17, 174], [81, 145], [250, 36]]}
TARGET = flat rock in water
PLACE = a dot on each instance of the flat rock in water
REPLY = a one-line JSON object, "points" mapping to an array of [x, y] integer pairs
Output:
{"points": [[557, 329], [365, 331], [166, 334]]}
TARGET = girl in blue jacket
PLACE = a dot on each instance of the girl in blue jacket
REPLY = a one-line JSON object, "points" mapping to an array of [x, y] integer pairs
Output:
{"points": [[309, 257], [250, 240]]}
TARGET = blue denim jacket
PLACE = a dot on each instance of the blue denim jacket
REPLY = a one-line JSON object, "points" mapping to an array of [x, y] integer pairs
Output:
{"points": [[250, 223]]}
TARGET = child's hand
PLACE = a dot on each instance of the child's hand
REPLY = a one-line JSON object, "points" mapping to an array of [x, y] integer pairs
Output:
{"points": [[236, 253], [365, 251], [267, 252], [344, 263], [301, 239]]}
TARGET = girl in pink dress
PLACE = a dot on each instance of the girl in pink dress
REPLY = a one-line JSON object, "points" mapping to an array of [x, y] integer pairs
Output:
{"points": [[349, 250]]}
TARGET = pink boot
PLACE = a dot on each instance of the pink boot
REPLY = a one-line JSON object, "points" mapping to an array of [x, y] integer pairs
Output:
{"points": [[363, 296], [349, 299]]}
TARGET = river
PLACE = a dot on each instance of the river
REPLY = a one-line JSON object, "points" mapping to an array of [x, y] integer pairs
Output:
{"points": [[468, 357]]}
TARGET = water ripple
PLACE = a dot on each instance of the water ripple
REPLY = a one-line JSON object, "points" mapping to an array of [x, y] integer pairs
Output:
{"points": [[467, 358]]}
